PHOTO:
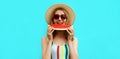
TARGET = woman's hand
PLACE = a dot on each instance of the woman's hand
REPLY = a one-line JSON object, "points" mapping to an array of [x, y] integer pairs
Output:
{"points": [[71, 34], [49, 33]]}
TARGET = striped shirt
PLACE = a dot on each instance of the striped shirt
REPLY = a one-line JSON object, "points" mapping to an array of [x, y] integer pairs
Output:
{"points": [[60, 52]]}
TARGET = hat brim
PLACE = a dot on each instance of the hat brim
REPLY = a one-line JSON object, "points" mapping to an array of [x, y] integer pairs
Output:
{"points": [[71, 15]]}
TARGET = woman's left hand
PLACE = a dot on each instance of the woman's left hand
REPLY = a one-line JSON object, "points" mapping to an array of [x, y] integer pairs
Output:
{"points": [[71, 34]]}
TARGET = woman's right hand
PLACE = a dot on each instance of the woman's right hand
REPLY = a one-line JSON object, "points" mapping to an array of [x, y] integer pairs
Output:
{"points": [[50, 33]]}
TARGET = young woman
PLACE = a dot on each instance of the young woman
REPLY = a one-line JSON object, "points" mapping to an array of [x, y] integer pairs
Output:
{"points": [[60, 44]]}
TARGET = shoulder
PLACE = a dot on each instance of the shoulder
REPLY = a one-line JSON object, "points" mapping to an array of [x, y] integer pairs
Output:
{"points": [[44, 40], [75, 40], [75, 44]]}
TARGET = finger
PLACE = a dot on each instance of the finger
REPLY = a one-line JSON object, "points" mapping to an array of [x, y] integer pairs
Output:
{"points": [[50, 27], [69, 37], [71, 31], [68, 32], [52, 31]]}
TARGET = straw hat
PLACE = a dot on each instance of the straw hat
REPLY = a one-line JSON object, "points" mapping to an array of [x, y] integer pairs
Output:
{"points": [[70, 13]]}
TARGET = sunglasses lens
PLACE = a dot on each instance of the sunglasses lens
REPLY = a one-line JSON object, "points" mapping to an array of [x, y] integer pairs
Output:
{"points": [[56, 16], [63, 16]]}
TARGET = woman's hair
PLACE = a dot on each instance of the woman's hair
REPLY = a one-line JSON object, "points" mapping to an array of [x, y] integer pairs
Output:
{"points": [[51, 22]]}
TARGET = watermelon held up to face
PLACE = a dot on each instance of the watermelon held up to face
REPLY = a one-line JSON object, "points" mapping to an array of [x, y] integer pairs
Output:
{"points": [[60, 26]]}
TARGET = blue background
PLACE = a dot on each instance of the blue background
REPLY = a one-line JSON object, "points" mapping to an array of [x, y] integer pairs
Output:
{"points": [[97, 27]]}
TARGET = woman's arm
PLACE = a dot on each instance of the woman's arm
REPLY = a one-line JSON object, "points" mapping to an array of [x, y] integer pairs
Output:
{"points": [[73, 45], [46, 44], [46, 48]]}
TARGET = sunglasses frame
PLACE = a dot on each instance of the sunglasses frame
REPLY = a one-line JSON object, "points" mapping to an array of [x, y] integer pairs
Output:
{"points": [[56, 16]]}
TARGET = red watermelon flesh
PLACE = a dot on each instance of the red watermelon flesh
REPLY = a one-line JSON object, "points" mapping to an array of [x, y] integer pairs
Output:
{"points": [[60, 26]]}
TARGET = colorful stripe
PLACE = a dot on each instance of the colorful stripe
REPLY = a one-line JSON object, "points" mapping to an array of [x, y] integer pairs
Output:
{"points": [[60, 52], [52, 43], [66, 52]]}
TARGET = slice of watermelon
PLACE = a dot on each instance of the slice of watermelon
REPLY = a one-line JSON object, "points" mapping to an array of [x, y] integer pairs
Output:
{"points": [[60, 26]]}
